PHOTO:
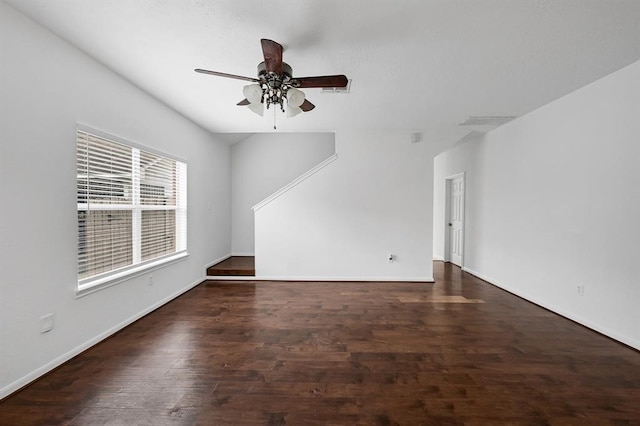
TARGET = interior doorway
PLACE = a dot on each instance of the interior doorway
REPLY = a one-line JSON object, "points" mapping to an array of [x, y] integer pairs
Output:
{"points": [[454, 219]]}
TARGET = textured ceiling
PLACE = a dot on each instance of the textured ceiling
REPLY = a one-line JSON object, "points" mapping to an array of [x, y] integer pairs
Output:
{"points": [[422, 65]]}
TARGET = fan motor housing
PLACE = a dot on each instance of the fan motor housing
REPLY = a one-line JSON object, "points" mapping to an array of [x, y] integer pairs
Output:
{"points": [[286, 69]]}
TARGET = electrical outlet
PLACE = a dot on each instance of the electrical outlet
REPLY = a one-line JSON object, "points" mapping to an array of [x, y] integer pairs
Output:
{"points": [[46, 323], [150, 280], [581, 290]]}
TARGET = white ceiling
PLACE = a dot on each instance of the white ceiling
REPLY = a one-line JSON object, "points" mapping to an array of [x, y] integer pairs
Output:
{"points": [[416, 65]]}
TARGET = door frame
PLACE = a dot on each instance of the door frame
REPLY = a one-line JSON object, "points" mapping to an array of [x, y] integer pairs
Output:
{"points": [[447, 215]]}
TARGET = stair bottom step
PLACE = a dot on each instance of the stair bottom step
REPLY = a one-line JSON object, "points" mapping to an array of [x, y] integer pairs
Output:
{"points": [[234, 266]]}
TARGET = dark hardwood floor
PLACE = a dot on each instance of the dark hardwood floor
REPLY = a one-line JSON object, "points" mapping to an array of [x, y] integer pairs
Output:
{"points": [[458, 352], [233, 266]]}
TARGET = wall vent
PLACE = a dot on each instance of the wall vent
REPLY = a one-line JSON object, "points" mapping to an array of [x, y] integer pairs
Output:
{"points": [[345, 89], [487, 120]]}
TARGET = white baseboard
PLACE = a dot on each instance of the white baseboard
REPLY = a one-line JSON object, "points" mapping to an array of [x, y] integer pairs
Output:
{"points": [[317, 279], [243, 254], [438, 258], [575, 318], [218, 260], [25, 380], [481, 276]]}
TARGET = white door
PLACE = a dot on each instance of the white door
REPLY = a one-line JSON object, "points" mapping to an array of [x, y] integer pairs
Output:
{"points": [[456, 220]]}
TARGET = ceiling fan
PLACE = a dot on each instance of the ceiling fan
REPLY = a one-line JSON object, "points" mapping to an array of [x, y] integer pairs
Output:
{"points": [[275, 83]]}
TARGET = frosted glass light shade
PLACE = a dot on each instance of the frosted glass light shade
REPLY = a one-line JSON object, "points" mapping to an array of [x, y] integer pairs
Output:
{"points": [[257, 108], [295, 97], [292, 111], [253, 93]]}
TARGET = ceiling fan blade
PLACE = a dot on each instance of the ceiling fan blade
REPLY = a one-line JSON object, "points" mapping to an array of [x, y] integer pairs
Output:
{"points": [[307, 106], [243, 102], [272, 52], [323, 81], [224, 74]]}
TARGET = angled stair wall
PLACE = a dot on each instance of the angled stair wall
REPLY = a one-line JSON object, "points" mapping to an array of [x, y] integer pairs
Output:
{"points": [[261, 165], [344, 219]]}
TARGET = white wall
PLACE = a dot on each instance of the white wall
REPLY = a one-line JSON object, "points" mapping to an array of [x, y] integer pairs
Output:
{"points": [[47, 86], [264, 163], [343, 221], [443, 166], [553, 203]]}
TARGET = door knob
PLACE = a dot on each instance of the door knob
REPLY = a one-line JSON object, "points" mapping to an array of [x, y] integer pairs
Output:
{"points": [[450, 224]]}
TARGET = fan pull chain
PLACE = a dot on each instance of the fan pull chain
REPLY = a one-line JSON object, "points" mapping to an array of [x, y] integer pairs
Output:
{"points": [[274, 119]]}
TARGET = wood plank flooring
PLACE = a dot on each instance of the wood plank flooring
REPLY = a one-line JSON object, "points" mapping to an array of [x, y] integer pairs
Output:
{"points": [[234, 266], [457, 352]]}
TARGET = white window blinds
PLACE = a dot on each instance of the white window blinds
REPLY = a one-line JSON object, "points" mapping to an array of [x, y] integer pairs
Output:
{"points": [[131, 206]]}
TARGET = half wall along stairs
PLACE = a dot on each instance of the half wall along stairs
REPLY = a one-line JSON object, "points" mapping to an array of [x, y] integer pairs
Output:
{"points": [[234, 266]]}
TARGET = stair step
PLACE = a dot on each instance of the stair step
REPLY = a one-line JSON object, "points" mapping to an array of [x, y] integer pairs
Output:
{"points": [[234, 266]]}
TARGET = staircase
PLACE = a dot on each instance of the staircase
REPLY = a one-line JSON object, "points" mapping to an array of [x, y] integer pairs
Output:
{"points": [[234, 266]]}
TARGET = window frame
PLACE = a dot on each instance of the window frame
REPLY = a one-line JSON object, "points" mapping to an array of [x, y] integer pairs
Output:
{"points": [[106, 279]]}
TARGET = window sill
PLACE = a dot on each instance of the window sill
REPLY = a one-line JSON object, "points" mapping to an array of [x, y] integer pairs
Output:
{"points": [[102, 282]]}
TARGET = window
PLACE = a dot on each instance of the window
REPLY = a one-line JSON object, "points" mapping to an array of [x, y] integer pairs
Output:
{"points": [[132, 209]]}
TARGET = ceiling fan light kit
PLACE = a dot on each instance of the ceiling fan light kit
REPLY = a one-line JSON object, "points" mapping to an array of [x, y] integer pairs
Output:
{"points": [[253, 93], [292, 111], [275, 84], [258, 108], [295, 97]]}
